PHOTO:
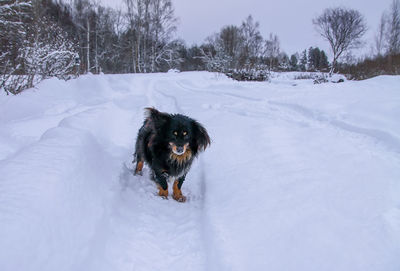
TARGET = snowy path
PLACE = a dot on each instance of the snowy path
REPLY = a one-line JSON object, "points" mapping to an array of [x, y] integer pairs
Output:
{"points": [[167, 233], [298, 177]]}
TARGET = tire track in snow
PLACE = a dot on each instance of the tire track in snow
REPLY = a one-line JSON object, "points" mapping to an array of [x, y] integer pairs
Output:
{"points": [[216, 93], [199, 169], [383, 138], [204, 229]]}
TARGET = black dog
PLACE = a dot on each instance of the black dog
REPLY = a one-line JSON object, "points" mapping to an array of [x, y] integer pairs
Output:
{"points": [[168, 143]]}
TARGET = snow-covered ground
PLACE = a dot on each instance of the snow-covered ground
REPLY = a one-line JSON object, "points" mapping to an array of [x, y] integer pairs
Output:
{"points": [[298, 176]]}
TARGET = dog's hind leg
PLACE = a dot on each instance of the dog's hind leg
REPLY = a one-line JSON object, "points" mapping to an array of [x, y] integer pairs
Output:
{"points": [[140, 146], [139, 167]]}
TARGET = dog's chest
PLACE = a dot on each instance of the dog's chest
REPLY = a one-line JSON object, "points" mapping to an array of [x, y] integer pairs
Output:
{"points": [[172, 178], [177, 170]]}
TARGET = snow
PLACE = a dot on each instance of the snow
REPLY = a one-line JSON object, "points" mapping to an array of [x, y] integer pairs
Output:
{"points": [[298, 177]]}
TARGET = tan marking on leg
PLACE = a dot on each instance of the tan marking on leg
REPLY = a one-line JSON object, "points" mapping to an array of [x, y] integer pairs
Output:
{"points": [[177, 193], [162, 192], [139, 168]]}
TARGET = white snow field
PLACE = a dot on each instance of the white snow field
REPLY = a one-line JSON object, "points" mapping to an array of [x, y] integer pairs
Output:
{"points": [[298, 176]]}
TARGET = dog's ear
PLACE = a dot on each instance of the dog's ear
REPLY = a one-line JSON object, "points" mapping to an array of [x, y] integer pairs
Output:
{"points": [[156, 117], [201, 136]]}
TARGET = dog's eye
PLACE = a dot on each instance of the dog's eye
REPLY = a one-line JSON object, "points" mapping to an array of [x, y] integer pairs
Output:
{"points": [[175, 133], [184, 133]]}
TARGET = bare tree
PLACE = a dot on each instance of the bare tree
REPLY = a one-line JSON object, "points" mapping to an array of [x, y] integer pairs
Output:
{"points": [[230, 41], [379, 39], [84, 17], [272, 50], [151, 26], [161, 30], [252, 43], [342, 28], [393, 28]]}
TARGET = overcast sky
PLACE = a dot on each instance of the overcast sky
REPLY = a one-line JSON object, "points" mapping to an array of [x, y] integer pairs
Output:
{"points": [[290, 20]]}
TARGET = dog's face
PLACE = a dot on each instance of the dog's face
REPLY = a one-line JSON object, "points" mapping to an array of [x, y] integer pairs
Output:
{"points": [[184, 136], [179, 135]]}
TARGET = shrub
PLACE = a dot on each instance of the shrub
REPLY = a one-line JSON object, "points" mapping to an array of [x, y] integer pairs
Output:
{"points": [[249, 75], [380, 65]]}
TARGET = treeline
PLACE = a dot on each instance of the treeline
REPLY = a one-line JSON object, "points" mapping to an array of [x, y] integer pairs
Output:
{"points": [[244, 54], [46, 38]]}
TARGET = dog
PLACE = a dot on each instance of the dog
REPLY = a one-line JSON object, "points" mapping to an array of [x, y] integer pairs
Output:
{"points": [[168, 144]]}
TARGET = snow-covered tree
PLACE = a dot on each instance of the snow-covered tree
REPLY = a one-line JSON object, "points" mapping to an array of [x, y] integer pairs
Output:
{"points": [[283, 61], [303, 61], [50, 53], [34, 47], [215, 58], [14, 16]]}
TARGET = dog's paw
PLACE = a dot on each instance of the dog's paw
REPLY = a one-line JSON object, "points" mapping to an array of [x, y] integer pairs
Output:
{"points": [[163, 193], [179, 198]]}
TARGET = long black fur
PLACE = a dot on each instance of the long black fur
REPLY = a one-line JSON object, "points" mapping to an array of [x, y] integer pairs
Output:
{"points": [[153, 144]]}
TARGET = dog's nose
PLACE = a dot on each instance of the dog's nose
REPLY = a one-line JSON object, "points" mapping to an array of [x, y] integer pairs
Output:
{"points": [[179, 149]]}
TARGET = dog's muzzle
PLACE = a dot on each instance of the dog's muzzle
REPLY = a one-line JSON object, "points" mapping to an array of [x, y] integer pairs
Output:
{"points": [[178, 150]]}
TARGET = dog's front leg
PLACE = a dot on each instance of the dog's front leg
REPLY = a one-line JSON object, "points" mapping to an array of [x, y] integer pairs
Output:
{"points": [[177, 193], [161, 180]]}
